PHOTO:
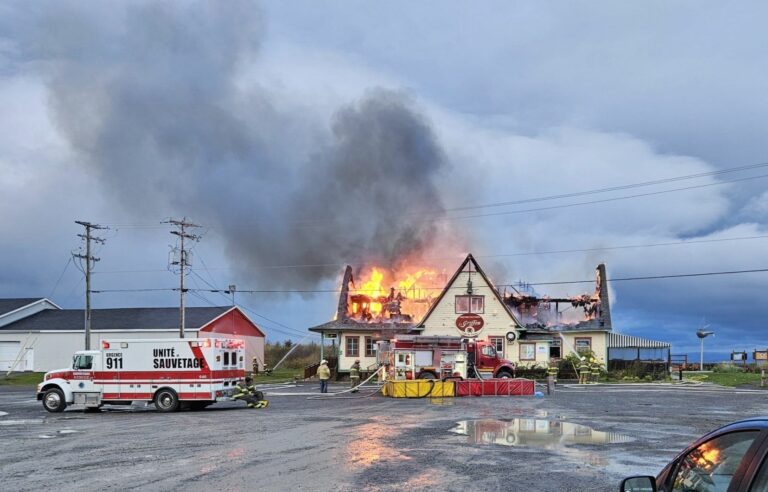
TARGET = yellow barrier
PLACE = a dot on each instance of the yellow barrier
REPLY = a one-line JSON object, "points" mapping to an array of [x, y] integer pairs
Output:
{"points": [[419, 388]]}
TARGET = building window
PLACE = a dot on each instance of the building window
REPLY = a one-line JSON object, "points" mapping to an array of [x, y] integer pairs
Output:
{"points": [[527, 351], [582, 344], [353, 346], [470, 304], [498, 343], [370, 347]]}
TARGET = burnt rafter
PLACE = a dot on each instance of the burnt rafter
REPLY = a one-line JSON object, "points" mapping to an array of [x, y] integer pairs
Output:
{"points": [[542, 311]]}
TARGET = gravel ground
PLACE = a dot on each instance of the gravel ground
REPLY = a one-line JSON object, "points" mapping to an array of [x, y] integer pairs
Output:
{"points": [[579, 439]]}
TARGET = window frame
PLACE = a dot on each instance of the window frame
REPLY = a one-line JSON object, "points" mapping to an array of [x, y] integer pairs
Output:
{"points": [[576, 341], [470, 299], [520, 345], [372, 351], [495, 342], [347, 345]]}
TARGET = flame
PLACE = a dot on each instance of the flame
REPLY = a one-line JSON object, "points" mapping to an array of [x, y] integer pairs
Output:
{"points": [[373, 289], [409, 288]]}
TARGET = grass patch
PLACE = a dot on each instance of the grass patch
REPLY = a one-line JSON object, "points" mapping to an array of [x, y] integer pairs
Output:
{"points": [[726, 378], [21, 378], [279, 376]]}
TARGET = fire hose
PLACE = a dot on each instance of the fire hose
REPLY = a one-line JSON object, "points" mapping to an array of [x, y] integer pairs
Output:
{"points": [[349, 390]]}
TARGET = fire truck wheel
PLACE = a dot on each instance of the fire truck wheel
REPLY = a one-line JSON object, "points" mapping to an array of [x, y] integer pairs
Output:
{"points": [[53, 400], [166, 400], [505, 375], [427, 375]]}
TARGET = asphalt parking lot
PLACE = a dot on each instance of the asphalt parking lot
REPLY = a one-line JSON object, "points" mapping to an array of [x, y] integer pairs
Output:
{"points": [[579, 439]]}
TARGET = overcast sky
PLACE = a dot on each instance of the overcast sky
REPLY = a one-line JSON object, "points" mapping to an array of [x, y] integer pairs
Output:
{"points": [[329, 133]]}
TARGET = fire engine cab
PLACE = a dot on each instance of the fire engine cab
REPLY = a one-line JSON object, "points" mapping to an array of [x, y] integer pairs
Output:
{"points": [[188, 372], [438, 357]]}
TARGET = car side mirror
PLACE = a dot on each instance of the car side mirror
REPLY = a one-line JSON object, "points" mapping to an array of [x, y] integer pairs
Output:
{"points": [[638, 484]]}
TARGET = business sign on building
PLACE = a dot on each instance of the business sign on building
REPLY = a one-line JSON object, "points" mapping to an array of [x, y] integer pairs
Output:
{"points": [[470, 324]]}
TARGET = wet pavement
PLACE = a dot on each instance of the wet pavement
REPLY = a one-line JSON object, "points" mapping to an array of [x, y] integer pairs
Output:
{"points": [[579, 439]]}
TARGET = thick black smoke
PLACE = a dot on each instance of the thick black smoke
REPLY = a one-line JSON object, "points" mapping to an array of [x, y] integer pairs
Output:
{"points": [[148, 94]]}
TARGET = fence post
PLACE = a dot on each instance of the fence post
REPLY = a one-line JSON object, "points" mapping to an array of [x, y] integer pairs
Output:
{"points": [[762, 378]]}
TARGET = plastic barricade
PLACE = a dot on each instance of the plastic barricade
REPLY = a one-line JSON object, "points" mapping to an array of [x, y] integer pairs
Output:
{"points": [[495, 387], [420, 388]]}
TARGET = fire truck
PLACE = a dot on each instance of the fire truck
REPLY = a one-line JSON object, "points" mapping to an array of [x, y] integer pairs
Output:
{"points": [[440, 357], [172, 373]]}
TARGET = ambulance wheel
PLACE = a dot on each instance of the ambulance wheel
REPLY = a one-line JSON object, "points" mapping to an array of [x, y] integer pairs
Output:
{"points": [[427, 375], [166, 400], [53, 400]]}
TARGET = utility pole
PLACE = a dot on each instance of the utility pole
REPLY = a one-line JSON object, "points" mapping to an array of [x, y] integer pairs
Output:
{"points": [[182, 261], [88, 261]]}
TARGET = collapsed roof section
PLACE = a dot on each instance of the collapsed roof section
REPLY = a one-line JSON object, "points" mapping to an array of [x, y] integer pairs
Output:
{"points": [[589, 311]]}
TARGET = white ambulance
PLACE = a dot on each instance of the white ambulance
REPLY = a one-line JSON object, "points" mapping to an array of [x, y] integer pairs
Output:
{"points": [[176, 372]]}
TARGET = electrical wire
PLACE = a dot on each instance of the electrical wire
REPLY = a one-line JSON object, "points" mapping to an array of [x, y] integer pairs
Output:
{"points": [[310, 291], [60, 277]]}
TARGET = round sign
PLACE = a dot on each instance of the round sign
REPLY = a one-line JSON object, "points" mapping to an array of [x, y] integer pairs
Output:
{"points": [[511, 336], [470, 324]]}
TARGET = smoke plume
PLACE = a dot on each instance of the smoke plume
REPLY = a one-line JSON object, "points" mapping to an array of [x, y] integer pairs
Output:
{"points": [[147, 94]]}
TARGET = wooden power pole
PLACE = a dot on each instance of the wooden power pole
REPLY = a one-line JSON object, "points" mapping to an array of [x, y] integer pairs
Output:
{"points": [[182, 261], [88, 261]]}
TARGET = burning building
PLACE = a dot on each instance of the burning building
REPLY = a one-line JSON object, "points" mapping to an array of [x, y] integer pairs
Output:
{"points": [[525, 327]]}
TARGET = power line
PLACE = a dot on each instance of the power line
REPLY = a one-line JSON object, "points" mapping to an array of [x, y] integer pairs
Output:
{"points": [[611, 188], [499, 255], [590, 281], [604, 200], [69, 261]]}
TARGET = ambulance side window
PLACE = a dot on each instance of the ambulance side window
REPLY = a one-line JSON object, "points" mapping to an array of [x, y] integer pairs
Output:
{"points": [[233, 358], [83, 362], [226, 358]]}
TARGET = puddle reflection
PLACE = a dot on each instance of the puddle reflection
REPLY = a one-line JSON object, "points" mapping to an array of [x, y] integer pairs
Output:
{"points": [[370, 447], [533, 432]]}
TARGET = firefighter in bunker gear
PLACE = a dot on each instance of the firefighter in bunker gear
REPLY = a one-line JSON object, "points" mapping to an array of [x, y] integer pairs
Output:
{"points": [[354, 375], [594, 368], [246, 391], [583, 371]]}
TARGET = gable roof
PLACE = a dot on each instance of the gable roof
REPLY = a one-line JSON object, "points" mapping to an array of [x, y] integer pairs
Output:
{"points": [[479, 270], [117, 319], [10, 305]]}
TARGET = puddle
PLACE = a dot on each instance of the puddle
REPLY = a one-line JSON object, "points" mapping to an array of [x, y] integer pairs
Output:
{"points": [[3, 414], [534, 433], [20, 422]]}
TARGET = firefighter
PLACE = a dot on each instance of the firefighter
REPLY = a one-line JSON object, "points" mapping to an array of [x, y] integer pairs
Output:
{"points": [[246, 391], [354, 375], [323, 374], [552, 370], [594, 369], [583, 371]]}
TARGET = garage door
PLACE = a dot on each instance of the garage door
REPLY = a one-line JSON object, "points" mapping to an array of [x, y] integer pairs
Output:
{"points": [[9, 357]]}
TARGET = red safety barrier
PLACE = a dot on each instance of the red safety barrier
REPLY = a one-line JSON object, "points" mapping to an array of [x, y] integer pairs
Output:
{"points": [[495, 387]]}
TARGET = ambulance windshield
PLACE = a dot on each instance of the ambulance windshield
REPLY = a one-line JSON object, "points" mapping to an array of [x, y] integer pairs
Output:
{"points": [[82, 362]]}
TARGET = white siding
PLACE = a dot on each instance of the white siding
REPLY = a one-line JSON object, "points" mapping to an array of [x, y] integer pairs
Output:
{"points": [[497, 320]]}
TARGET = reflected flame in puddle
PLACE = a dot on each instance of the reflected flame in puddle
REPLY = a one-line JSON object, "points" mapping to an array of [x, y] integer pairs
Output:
{"points": [[371, 449], [539, 433]]}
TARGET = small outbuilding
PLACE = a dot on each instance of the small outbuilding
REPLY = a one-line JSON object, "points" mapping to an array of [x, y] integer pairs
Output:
{"points": [[39, 336]]}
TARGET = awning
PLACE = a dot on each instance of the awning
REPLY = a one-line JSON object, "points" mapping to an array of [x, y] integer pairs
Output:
{"points": [[617, 340]]}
